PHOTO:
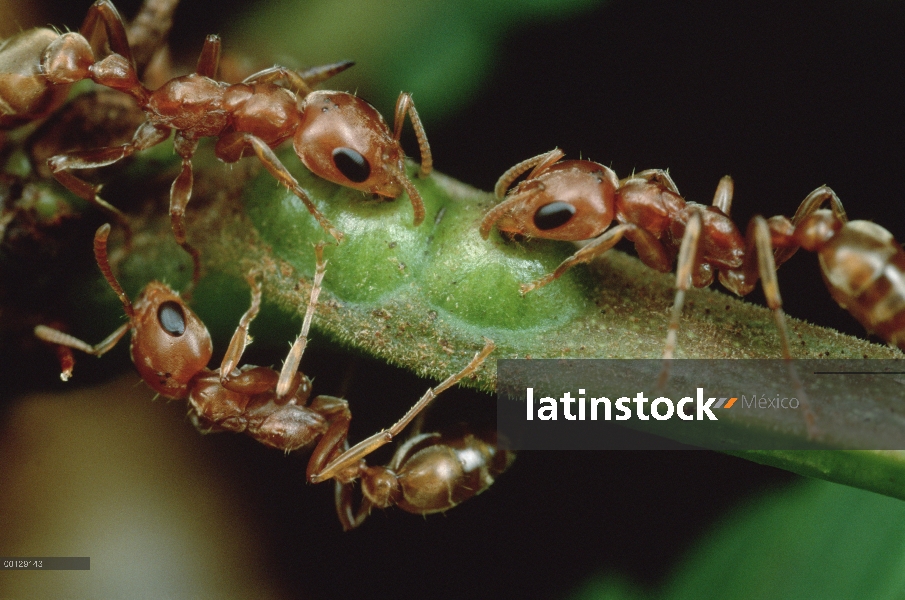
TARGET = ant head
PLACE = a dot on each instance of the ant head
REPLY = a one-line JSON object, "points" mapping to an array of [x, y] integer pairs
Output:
{"points": [[571, 200], [345, 140], [170, 344]]}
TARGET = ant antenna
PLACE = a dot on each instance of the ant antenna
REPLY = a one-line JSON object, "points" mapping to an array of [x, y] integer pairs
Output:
{"points": [[100, 255], [411, 190]]}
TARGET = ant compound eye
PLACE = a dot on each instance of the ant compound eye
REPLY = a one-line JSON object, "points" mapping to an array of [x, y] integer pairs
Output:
{"points": [[352, 164], [551, 216], [171, 318]]}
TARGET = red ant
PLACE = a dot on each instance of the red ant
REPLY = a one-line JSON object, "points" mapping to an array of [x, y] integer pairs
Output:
{"points": [[171, 348], [337, 135], [578, 200], [39, 66], [429, 473], [861, 263]]}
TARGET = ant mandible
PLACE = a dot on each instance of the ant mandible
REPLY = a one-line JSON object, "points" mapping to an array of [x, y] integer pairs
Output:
{"points": [[171, 347], [578, 200], [337, 135]]}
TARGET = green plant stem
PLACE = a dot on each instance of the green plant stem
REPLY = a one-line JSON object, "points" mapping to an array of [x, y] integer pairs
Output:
{"points": [[424, 298]]}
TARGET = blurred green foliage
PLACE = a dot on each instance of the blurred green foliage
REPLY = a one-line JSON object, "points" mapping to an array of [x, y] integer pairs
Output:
{"points": [[440, 51], [814, 541]]}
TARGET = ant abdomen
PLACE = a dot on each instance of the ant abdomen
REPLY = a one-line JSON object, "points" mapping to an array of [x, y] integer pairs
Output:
{"points": [[24, 89], [433, 472], [863, 268]]}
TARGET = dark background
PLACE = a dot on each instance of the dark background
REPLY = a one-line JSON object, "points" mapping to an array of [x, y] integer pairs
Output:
{"points": [[783, 96]]}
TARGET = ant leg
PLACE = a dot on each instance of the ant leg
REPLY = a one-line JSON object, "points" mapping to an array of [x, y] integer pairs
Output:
{"points": [[758, 262], [539, 162], [180, 194], [148, 31], [229, 149], [741, 280], [55, 336], [405, 104], [767, 271], [241, 338], [722, 198], [687, 252], [63, 340], [255, 380], [67, 361], [315, 75], [302, 81], [60, 165], [649, 248], [291, 364], [369, 445], [103, 14], [770, 284], [333, 443], [654, 176], [349, 517], [209, 60]]}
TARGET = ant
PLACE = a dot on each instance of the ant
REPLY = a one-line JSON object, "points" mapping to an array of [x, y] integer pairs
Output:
{"points": [[862, 265], [171, 348], [39, 66], [337, 135], [578, 200], [429, 473]]}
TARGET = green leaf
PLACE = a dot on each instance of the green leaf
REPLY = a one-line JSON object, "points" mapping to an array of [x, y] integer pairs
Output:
{"points": [[816, 541], [811, 541], [439, 51]]}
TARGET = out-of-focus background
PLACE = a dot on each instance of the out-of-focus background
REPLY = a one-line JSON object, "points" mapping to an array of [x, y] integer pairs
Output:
{"points": [[784, 97]]}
